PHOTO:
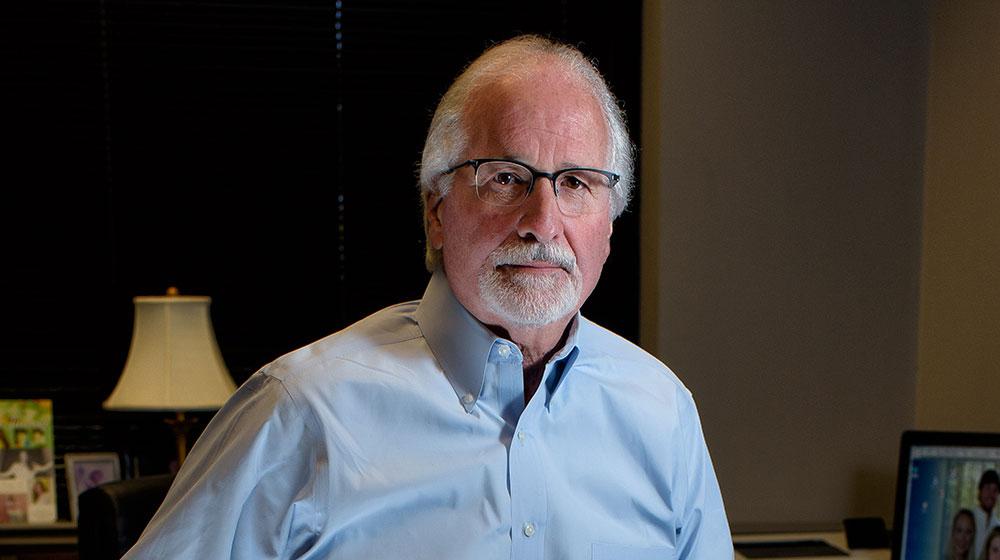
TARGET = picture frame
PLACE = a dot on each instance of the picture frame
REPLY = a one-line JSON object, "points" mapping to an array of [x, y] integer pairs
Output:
{"points": [[87, 470], [27, 462]]}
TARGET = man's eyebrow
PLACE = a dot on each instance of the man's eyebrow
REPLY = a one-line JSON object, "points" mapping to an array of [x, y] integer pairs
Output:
{"points": [[562, 165]]}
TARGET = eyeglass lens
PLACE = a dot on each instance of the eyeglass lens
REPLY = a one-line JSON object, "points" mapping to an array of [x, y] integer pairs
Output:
{"points": [[578, 191]]}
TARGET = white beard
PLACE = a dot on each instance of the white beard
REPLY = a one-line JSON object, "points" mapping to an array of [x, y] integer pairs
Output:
{"points": [[526, 299]]}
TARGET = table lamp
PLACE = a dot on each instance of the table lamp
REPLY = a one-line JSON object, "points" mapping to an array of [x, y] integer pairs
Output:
{"points": [[173, 364]]}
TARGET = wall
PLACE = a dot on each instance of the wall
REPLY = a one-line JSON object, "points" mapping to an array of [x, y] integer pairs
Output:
{"points": [[783, 152], [958, 379]]}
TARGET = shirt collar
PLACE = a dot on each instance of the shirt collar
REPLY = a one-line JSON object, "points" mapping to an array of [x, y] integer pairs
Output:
{"points": [[461, 344]]}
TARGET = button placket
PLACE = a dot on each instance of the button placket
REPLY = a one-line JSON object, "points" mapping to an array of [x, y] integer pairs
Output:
{"points": [[529, 501]]}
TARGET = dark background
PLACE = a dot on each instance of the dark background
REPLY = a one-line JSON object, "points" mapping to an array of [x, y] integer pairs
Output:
{"points": [[263, 154]]}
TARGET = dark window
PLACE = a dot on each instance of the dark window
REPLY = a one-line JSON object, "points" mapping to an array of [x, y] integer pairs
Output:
{"points": [[226, 148]]}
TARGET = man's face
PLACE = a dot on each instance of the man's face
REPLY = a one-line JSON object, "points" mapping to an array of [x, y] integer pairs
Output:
{"points": [[988, 495], [548, 122]]}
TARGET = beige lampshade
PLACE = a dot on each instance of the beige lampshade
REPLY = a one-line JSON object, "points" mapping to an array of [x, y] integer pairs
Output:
{"points": [[174, 362]]}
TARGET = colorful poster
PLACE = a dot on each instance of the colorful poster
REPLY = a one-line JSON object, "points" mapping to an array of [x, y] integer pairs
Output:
{"points": [[27, 466]]}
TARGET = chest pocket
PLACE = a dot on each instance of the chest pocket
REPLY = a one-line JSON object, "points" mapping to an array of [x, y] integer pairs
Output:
{"points": [[602, 551]]}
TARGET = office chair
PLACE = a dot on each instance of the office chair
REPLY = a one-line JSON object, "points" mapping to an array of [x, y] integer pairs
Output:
{"points": [[113, 515]]}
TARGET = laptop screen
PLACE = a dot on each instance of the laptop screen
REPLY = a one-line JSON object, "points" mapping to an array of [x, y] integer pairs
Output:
{"points": [[946, 497]]}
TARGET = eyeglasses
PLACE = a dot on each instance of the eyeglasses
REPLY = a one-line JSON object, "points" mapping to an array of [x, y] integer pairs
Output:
{"points": [[508, 183]]}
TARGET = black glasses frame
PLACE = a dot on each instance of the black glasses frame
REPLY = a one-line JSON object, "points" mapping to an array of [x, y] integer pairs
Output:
{"points": [[613, 178]]}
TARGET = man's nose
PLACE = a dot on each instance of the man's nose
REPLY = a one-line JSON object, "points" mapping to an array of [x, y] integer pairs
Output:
{"points": [[540, 215]]}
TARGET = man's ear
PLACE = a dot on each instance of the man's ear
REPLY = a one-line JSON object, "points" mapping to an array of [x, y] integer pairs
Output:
{"points": [[432, 220]]}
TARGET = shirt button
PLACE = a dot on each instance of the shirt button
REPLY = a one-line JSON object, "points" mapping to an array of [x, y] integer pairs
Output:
{"points": [[468, 398], [528, 529], [520, 436], [504, 351]]}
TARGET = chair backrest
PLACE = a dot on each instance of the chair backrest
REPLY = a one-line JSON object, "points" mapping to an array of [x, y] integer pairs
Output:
{"points": [[113, 515]]}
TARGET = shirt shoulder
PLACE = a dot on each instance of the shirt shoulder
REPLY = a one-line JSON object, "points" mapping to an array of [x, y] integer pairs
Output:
{"points": [[613, 352], [382, 342]]}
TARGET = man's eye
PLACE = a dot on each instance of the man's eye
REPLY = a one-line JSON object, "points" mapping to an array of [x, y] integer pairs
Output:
{"points": [[506, 179], [574, 183]]}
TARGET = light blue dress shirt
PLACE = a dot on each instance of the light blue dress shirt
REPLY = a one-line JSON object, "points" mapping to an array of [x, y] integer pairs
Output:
{"points": [[406, 436]]}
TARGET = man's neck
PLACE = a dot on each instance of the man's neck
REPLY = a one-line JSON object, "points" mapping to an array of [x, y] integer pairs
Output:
{"points": [[537, 344], [535, 358]]}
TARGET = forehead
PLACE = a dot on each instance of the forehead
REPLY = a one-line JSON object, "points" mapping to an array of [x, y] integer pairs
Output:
{"points": [[537, 111]]}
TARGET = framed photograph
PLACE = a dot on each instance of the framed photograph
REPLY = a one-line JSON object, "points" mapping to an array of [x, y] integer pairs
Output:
{"points": [[27, 465], [87, 470]]}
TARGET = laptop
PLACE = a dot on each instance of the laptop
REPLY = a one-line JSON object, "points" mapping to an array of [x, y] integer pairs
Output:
{"points": [[937, 493]]}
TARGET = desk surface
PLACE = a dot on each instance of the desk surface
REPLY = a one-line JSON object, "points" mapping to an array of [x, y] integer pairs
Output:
{"points": [[837, 539]]}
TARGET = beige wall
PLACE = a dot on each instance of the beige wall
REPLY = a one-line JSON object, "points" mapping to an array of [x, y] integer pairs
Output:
{"points": [[782, 161], [958, 384], [816, 176]]}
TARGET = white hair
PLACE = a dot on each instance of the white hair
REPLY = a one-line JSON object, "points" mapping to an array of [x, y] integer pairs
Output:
{"points": [[447, 137]]}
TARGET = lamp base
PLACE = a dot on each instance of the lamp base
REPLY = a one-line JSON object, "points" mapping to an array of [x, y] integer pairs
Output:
{"points": [[181, 426]]}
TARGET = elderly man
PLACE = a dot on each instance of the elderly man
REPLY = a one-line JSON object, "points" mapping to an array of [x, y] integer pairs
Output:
{"points": [[489, 419]]}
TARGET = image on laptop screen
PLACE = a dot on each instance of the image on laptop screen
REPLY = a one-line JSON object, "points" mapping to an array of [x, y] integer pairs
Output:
{"points": [[946, 496]]}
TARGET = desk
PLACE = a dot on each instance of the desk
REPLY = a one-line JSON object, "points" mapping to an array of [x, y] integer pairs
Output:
{"points": [[48, 541], [837, 539]]}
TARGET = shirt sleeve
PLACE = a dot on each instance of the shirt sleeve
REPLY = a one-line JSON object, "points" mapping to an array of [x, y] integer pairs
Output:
{"points": [[243, 491], [704, 530]]}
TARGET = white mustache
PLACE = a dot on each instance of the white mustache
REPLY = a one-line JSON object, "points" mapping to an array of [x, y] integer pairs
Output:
{"points": [[527, 252]]}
